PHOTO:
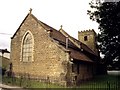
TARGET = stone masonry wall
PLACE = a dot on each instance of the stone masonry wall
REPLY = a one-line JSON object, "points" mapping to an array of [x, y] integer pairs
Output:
{"points": [[48, 56]]}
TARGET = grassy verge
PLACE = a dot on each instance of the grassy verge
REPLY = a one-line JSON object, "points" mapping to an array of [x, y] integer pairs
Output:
{"points": [[107, 82], [25, 83]]}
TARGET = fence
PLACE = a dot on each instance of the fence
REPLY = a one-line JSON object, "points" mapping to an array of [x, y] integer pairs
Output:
{"points": [[22, 81], [105, 85], [27, 82]]}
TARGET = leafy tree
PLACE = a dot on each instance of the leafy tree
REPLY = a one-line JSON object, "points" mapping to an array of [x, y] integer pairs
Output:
{"points": [[107, 15]]}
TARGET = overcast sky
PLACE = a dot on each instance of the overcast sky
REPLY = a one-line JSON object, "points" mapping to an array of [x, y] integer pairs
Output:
{"points": [[72, 14]]}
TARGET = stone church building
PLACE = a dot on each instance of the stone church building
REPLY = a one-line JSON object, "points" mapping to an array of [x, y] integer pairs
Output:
{"points": [[43, 53]]}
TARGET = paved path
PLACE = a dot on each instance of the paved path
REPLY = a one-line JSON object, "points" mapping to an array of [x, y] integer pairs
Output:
{"points": [[7, 87], [113, 72]]}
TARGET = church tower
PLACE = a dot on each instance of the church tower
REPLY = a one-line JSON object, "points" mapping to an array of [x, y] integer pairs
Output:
{"points": [[88, 37]]}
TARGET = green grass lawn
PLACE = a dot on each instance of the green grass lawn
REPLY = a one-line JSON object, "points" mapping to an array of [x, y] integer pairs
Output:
{"points": [[107, 82], [25, 83], [104, 82]]}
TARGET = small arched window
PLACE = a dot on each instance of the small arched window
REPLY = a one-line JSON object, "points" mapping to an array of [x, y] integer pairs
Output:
{"points": [[85, 38], [27, 48]]}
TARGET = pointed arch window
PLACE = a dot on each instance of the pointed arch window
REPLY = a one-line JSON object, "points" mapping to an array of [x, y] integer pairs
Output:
{"points": [[27, 48]]}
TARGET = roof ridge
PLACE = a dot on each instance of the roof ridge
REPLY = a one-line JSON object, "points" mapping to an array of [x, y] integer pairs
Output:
{"points": [[47, 27], [40, 22], [20, 26], [74, 41], [70, 38]]}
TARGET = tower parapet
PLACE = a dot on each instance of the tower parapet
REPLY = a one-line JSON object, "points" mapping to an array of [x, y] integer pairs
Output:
{"points": [[88, 37]]}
